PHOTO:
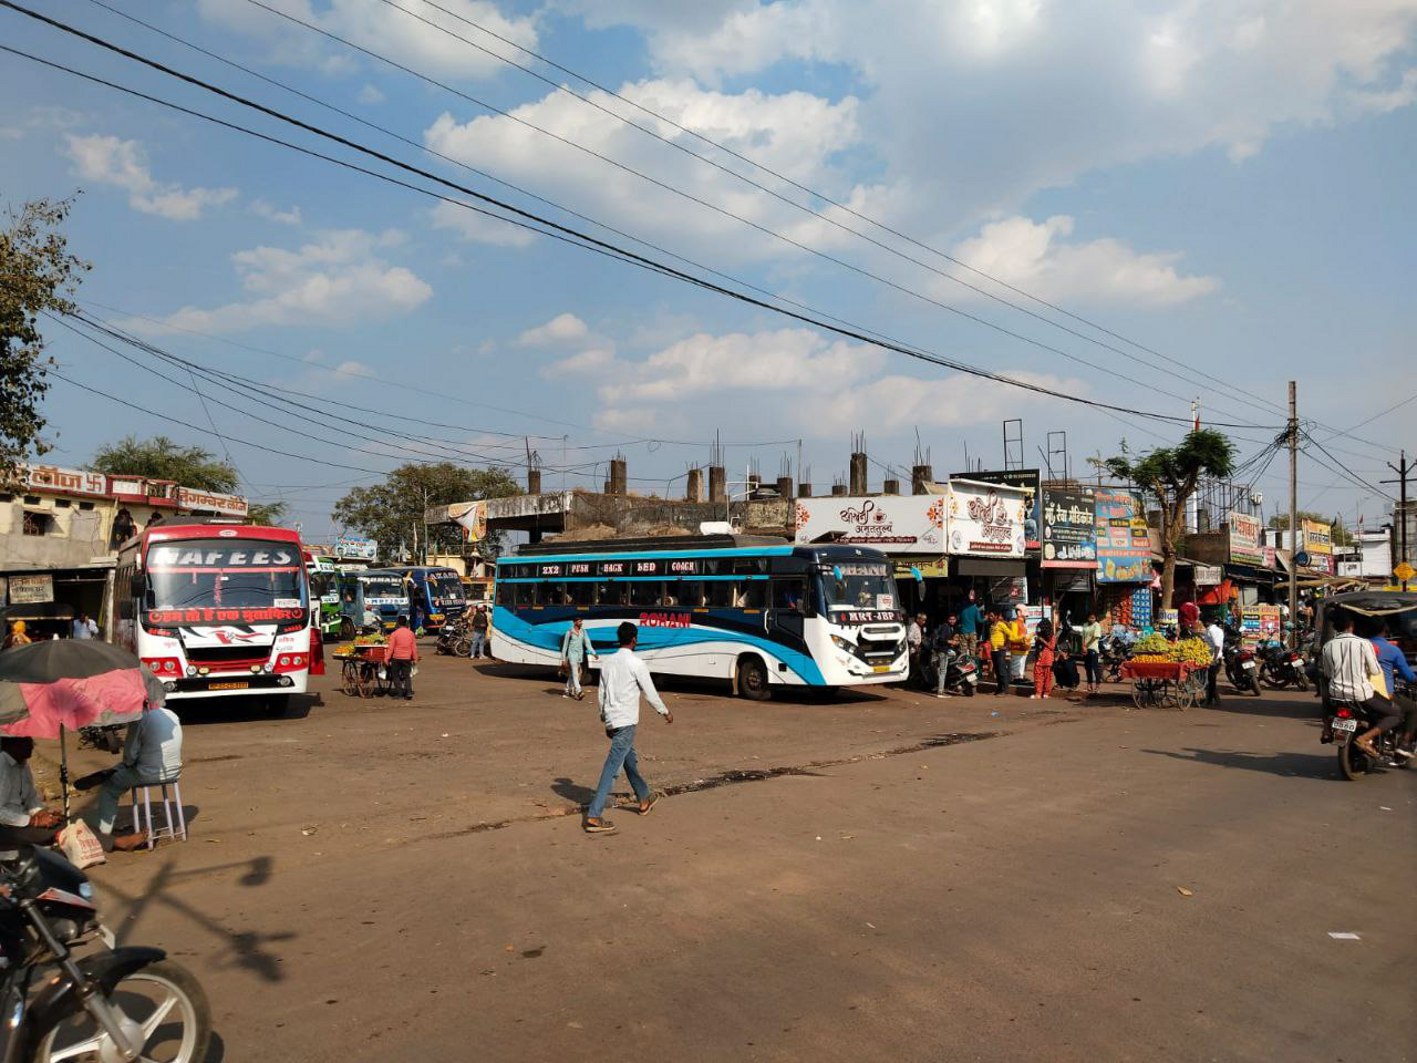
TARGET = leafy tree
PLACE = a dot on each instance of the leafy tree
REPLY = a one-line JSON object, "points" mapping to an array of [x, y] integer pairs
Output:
{"points": [[1169, 475], [272, 513], [37, 275], [1341, 535], [160, 458], [392, 512]]}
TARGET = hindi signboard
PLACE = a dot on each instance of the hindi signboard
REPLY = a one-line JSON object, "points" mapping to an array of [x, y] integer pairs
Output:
{"points": [[1317, 541], [189, 498], [893, 524], [66, 481], [31, 590], [1246, 539], [1026, 479], [1123, 543], [985, 519], [1069, 528], [356, 548]]}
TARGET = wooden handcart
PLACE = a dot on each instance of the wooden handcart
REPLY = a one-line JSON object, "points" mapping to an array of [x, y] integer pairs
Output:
{"points": [[1174, 684], [365, 671]]}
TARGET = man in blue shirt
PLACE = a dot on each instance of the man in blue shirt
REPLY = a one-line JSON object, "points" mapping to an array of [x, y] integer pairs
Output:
{"points": [[971, 617], [1393, 662]]}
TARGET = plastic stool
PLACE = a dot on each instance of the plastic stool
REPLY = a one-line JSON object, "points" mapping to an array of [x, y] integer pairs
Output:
{"points": [[143, 815]]}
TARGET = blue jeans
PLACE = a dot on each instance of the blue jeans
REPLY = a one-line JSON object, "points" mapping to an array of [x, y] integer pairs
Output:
{"points": [[622, 754], [479, 644]]}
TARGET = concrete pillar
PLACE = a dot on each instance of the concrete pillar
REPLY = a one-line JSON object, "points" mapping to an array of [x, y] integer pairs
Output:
{"points": [[920, 476], [839, 490], [718, 484], [755, 480], [804, 490], [533, 481], [619, 479], [858, 474], [891, 487], [784, 487], [695, 491]]}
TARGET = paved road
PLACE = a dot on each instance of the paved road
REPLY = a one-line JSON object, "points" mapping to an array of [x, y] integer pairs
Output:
{"points": [[360, 887]]}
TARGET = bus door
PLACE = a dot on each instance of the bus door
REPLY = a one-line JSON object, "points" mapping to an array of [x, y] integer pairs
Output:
{"points": [[788, 606]]}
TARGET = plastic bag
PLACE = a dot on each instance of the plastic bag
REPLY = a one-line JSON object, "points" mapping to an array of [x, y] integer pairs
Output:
{"points": [[81, 845]]}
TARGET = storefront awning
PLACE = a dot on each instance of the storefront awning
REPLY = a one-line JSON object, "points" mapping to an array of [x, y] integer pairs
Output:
{"points": [[990, 566], [40, 611]]}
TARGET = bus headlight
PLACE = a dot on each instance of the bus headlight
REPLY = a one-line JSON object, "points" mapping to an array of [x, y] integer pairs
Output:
{"points": [[191, 669], [841, 643]]}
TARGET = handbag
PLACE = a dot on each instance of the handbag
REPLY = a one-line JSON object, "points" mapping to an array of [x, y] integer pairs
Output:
{"points": [[80, 845]]}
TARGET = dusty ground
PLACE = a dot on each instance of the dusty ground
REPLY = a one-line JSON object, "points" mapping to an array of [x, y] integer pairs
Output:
{"points": [[378, 880]]}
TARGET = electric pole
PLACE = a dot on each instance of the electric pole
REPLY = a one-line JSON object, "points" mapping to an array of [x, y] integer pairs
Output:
{"points": [[1293, 513], [1403, 470]]}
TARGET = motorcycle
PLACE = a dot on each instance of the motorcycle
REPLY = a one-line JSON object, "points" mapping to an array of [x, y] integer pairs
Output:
{"points": [[961, 673], [1280, 666], [1241, 668], [1344, 721], [115, 1004], [1113, 651], [455, 638]]}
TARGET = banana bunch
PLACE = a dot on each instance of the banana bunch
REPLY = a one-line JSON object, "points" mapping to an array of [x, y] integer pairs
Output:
{"points": [[1191, 651], [1153, 647]]}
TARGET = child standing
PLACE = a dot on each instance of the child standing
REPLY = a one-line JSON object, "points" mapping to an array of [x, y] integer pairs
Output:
{"points": [[1045, 643]]}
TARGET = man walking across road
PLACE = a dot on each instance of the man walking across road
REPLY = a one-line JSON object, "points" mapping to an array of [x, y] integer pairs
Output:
{"points": [[479, 633], [576, 650], [1214, 636], [623, 678], [403, 655]]}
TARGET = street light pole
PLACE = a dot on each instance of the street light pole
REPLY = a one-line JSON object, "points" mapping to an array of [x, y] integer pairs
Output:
{"points": [[1293, 513], [1403, 470]]}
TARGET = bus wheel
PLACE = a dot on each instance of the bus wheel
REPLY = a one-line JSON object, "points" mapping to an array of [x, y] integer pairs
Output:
{"points": [[753, 680], [346, 628], [277, 706]]}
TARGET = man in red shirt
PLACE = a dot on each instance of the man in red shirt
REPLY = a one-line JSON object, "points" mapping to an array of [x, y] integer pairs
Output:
{"points": [[403, 655]]}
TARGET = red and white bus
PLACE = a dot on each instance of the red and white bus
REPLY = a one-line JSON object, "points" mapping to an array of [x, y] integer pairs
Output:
{"points": [[219, 610]]}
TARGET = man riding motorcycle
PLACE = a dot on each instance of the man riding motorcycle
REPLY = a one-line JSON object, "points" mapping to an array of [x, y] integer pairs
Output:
{"points": [[1394, 665], [1351, 664]]}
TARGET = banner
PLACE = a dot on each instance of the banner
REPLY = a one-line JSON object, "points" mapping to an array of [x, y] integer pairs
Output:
{"points": [[355, 548], [1316, 540], [1069, 528], [472, 516], [1246, 539], [66, 481], [985, 520], [1026, 479], [212, 502], [893, 524], [1123, 542], [31, 590]]}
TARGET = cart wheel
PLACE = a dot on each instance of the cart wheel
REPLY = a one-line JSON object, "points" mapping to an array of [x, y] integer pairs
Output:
{"points": [[1141, 693], [349, 678]]}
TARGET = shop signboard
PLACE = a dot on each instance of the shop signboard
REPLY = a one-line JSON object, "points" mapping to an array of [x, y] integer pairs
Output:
{"points": [[1270, 558], [211, 502], [66, 481], [893, 524], [1246, 539], [1069, 528], [31, 590], [1209, 575], [1317, 542], [1026, 479], [985, 519], [355, 548], [1123, 541]]}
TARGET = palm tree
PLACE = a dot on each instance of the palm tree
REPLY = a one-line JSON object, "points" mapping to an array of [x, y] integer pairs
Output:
{"points": [[1170, 475]]}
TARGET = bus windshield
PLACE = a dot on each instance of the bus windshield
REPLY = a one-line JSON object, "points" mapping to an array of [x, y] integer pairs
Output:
{"points": [[225, 581], [446, 586], [858, 585], [382, 587]]}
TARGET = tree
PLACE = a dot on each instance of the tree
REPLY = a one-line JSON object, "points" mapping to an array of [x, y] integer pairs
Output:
{"points": [[1169, 475], [159, 458], [1341, 535], [272, 513], [392, 512], [37, 275]]}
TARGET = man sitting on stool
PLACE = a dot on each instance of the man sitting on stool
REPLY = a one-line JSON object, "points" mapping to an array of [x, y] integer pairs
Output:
{"points": [[152, 755]]}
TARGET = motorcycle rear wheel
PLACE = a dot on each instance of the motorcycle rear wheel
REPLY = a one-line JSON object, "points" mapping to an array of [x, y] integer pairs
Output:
{"points": [[163, 1001], [1353, 763]]}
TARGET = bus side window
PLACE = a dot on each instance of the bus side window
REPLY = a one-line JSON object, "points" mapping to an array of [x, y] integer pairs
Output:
{"points": [[582, 593], [690, 592], [752, 594], [646, 593], [556, 594], [722, 594], [505, 596]]}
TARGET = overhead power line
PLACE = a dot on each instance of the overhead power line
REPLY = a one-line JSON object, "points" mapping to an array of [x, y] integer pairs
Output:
{"points": [[528, 219]]}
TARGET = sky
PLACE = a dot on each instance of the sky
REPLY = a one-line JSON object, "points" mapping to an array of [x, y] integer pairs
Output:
{"points": [[1135, 205]]}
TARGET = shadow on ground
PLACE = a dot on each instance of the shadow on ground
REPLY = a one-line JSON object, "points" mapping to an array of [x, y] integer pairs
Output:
{"points": [[1320, 767]]}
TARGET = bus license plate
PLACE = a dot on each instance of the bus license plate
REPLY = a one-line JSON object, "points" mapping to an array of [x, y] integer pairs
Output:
{"points": [[229, 686], [880, 668]]}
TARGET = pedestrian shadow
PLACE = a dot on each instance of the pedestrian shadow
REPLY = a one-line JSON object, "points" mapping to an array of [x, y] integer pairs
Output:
{"points": [[1316, 766], [572, 791]]}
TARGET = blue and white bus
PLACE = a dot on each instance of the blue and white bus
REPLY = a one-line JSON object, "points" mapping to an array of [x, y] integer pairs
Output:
{"points": [[436, 597], [757, 612]]}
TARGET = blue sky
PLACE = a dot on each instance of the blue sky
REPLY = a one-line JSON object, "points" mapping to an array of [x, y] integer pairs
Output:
{"points": [[1221, 185]]}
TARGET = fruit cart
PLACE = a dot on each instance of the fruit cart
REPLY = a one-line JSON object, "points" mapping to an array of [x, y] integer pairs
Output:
{"points": [[364, 674], [1174, 684]]}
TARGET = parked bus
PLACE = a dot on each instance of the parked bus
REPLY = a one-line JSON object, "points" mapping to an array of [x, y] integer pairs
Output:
{"points": [[371, 597], [216, 610], [436, 596], [759, 613], [324, 592]]}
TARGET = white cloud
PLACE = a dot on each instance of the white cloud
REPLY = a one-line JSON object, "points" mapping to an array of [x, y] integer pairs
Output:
{"points": [[591, 361], [563, 328], [265, 210], [336, 280], [796, 133], [1037, 258], [370, 94], [479, 228], [123, 163], [389, 29]]}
